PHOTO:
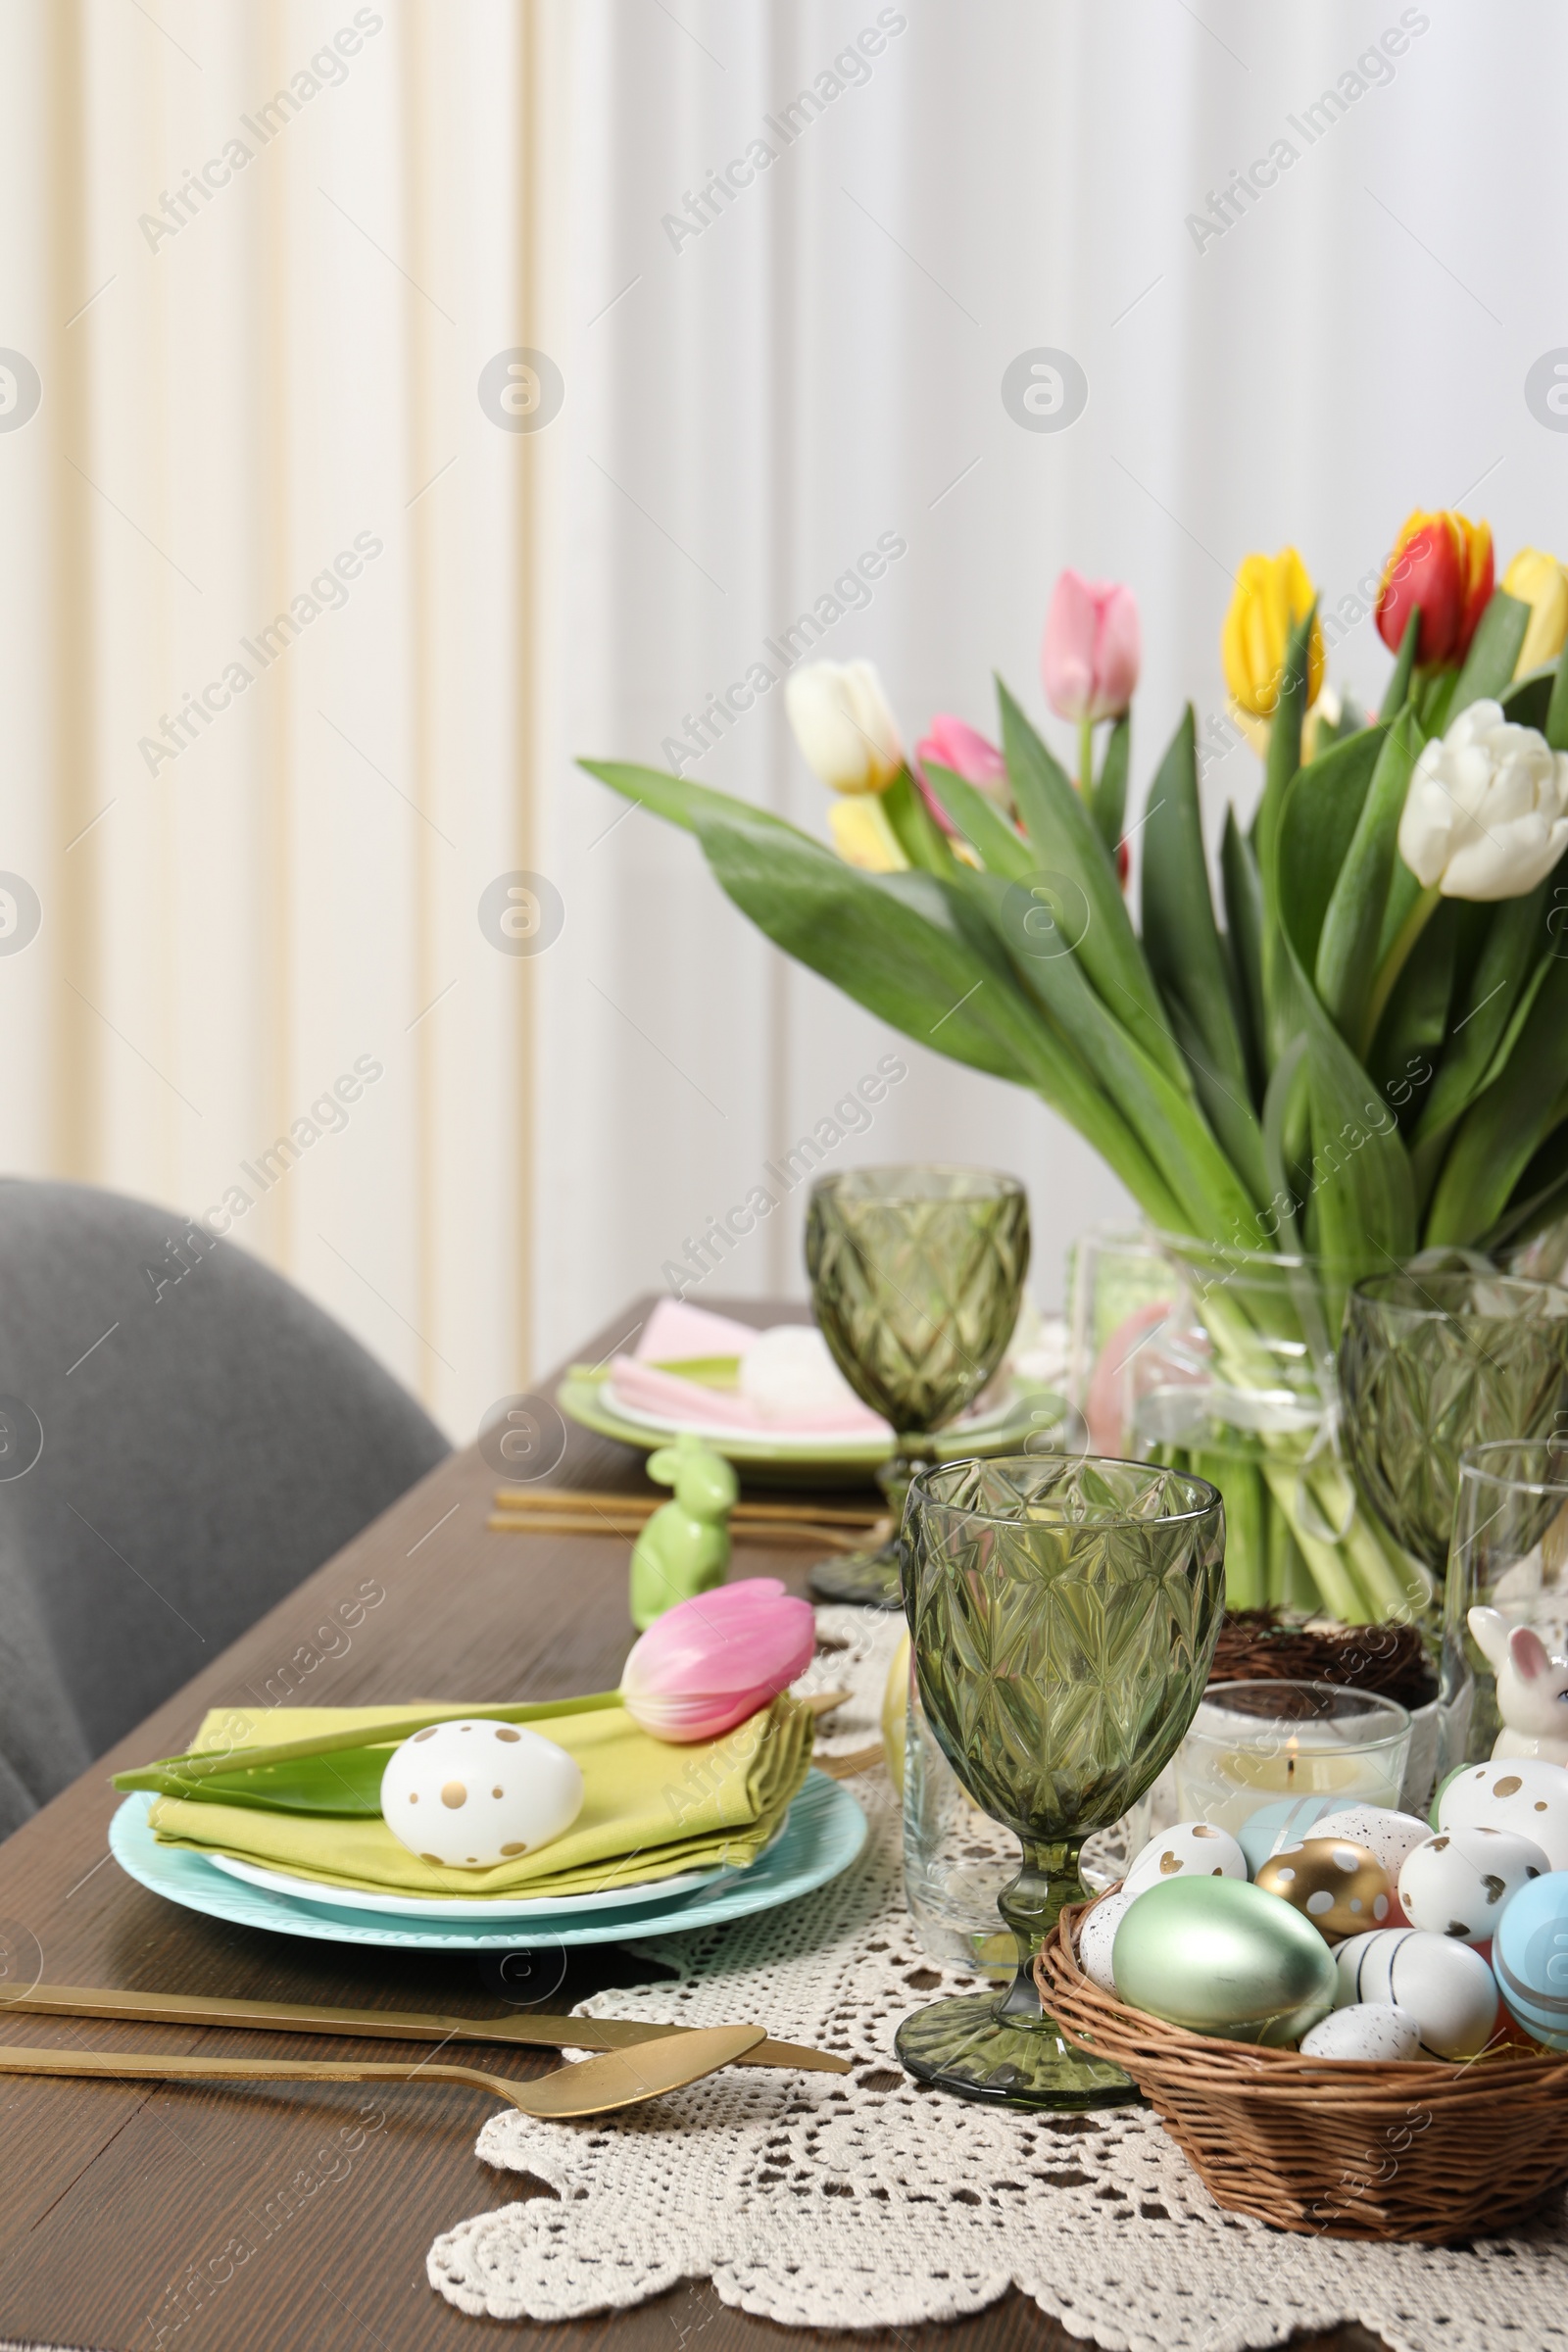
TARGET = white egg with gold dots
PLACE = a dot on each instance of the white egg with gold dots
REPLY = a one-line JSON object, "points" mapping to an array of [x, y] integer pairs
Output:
{"points": [[1458, 1883], [1522, 1793], [475, 1792], [1193, 1850]]}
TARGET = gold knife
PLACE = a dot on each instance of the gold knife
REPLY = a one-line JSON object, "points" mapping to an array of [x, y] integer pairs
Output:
{"points": [[539, 2028]]}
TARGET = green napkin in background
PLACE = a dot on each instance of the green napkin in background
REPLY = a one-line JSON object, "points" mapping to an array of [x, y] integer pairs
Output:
{"points": [[650, 1809]]}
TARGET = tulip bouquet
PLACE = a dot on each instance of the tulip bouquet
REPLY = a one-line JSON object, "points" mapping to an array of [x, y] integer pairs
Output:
{"points": [[1342, 1040]]}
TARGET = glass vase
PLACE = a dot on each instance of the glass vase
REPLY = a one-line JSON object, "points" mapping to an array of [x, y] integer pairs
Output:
{"points": [[1239, 1387]]}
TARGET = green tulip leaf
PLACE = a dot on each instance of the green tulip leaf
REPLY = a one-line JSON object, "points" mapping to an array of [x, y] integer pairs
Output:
{"points": [[915, 951], [1352, 922], [671, 796], [1493, 655], [1317, 825], [1284, 748], [1528, 701], [1517, 944], [998, 846], [1557, 721], [1244, 939], [1110, 793], [1508, 1123], [1397, 691], [1187, 958], [1166, 1121], [1068, 848], [914, 828]]}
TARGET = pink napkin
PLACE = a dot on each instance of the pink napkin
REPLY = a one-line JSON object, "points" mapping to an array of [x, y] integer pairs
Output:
{"points": [[675, 1332]]}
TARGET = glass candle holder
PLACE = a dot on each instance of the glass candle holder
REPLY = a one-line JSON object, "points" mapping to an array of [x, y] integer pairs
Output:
{"points": [[1251, 1745]]}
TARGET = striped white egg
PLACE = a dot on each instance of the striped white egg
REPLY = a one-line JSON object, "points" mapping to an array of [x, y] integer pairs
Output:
{"points": [[1444, 1985], [1370, 2031]]}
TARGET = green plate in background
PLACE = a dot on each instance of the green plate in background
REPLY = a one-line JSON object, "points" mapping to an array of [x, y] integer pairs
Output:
{"points": [[1031, 1410]]}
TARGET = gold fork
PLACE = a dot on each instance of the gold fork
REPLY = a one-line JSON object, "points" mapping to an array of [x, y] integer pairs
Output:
{"points": [[596, 2086]]}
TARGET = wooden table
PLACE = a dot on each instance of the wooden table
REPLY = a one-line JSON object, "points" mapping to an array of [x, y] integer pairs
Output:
{"points": [[135, 2217]]}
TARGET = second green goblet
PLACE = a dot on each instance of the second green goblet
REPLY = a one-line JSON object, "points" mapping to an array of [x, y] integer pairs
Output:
{"points": [[1064, 1614], [916, 1278]]}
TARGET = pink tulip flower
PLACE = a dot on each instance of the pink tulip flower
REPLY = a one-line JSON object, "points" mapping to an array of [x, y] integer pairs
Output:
{"points": [[952, 742], [1090, 656], [708, 1663]]}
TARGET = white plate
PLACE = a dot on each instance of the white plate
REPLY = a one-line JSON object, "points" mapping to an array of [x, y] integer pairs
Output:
{"points": [[817, 1444], [822, 1835], [465, 1906]]}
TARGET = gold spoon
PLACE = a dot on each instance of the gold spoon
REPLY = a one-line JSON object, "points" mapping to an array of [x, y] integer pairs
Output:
{"points": [[596, 2086]]}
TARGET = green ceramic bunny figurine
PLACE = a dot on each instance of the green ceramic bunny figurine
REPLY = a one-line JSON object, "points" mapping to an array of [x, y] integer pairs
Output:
{"points": [[685, 1547]]}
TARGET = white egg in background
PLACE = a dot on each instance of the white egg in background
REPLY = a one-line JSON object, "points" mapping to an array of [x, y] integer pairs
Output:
{"points": [[1193, 1850], [1098, 1932], [1444, 1985], [1370, 2031], [475, 1792], [1458, 1883], [1522, 1793], [1389, 1835]]}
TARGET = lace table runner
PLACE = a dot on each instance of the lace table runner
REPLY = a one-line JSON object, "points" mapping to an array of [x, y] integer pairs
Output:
{"points": [[862, 2200]]}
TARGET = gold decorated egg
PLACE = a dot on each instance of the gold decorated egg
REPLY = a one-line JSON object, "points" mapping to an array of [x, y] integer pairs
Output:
{"points": [[1341, 1887]]}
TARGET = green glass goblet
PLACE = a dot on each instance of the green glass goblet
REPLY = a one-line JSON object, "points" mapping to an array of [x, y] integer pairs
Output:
{"points": [[1432, 1363], [917, 1277], [1064, 1614]]}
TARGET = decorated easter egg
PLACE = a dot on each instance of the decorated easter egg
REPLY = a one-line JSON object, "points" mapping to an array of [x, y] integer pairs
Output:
{"points": [[1193, 1850], [1343, 1888], [1221, 1957], [1098, 1935], [1444, 1985], [475, 1792], [1366, 2029], [1522, 1793], [1282, 1823], [1388, 1836], [1458, 1883], [1530, 1954]]}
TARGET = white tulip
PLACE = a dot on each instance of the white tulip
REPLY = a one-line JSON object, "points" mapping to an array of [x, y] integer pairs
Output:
{"points": [[844, 726], [1487, 813]]}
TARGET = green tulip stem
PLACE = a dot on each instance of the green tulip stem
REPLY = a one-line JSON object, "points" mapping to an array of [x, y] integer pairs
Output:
{"points": [[1394, 962], [1085, 760]]}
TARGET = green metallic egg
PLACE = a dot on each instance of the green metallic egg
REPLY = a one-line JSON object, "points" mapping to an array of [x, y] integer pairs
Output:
{"points": [[1219, 1957]]}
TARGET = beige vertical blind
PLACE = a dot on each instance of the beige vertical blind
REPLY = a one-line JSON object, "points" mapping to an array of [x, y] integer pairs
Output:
{"points": [[268, 592]]}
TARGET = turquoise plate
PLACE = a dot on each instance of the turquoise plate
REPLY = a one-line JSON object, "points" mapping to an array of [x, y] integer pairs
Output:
{"points": [[823, 1832]]}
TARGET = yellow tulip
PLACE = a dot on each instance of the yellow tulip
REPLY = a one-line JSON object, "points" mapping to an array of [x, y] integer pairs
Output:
{"points": [[862, 836], [1272, 592], [1539, 581]]}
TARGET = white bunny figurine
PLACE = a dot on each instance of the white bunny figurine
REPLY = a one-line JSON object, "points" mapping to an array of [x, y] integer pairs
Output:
{"points": [[1531, 1687]]}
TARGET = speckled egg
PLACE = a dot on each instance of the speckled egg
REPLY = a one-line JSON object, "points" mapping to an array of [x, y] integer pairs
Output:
{"points": [[1193, 1850], [1343, 1888], [1282, 1823], [476, 1792], [1221, 1957], [1388, 1836], [1530, 1954], [1098, 1935], [1366, 2029], [1458, 1883], [1522, 1793], [1444, 1986]]}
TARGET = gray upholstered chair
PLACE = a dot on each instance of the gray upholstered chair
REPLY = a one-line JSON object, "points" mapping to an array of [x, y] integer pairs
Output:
{"points": [[183, 1438]]}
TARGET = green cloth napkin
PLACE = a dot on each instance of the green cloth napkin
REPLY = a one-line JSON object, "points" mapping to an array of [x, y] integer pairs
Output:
{"points": [[650, 1809]]}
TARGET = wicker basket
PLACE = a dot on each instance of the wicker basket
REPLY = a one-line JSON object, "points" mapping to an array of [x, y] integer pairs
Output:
{"points": [[1425, 2150]]}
